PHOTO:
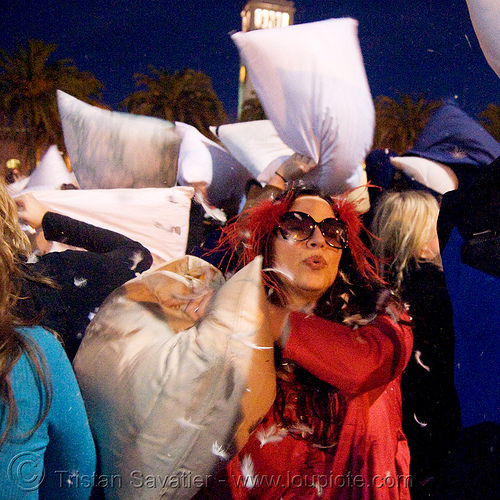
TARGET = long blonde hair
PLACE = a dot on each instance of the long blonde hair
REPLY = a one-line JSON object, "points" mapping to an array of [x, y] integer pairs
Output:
{"points": [[13, 245], [403, 224]]}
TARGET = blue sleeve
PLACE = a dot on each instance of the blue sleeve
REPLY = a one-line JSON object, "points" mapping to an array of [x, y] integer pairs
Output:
{"points": [[70, 457]]}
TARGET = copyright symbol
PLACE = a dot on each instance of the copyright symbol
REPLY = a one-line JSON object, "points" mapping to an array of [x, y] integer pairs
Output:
{"points": [[26, 470]]}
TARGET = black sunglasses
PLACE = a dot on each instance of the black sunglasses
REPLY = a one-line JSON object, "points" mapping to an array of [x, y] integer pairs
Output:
{"points": [[299, 226]]}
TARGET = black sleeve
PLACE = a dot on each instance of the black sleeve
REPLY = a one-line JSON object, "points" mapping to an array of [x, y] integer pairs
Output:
{"points": [[57, 227]]}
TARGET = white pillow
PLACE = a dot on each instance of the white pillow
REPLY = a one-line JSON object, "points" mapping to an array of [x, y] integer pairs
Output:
{"points": [[485, 17], [256, 145], [108, 149], [50, 173], [156, 217], [312, 84], [203, 160], [432, 174], [164, 402]]}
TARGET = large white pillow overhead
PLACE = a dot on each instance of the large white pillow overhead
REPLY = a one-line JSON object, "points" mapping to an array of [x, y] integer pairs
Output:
{"points": [[108, 149], [485, 17], [164, 398], [156, 217], [256, 145], [312, 84], [432, 174]]}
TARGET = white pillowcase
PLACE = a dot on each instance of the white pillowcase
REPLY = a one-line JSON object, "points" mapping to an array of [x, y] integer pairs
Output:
{"points": [[165, 402], [51, 172], [431, 174], [311, 82], [108, 149], [158, 218], [485, 17], [256, 145]]}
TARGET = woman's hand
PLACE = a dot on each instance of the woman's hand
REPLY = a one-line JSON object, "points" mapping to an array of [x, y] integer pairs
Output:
{"points": [[295, 167], [30, 210]]}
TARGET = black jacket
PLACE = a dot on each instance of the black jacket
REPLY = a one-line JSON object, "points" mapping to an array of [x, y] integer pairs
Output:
{"points": [[83, 279]]}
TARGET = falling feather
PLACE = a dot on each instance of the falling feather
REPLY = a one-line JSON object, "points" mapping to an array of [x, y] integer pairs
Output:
{"points": [[422, 424], [317, 486], [136, 258], [32, 259], [80, 282], [248, 472], [170, 229], [301, 428], [184, 422], [418, 359], [272, 434], [219, 451], [285, 272]]}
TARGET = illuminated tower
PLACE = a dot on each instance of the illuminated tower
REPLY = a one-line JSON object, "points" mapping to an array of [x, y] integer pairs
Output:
{"points": [[258, 15]]}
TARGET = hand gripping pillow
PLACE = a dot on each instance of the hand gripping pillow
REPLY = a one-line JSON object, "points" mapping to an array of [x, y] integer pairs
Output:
{"points": [[312, 84], [170, 401], [108, 149]]}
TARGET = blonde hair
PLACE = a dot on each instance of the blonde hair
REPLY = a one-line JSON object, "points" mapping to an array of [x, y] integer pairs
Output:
{"points": [[403, 224], [13, 245]]}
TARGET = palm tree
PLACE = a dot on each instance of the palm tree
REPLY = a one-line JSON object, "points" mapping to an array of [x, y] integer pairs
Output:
{"points": [[490, 120], [186, 96], [398, 124], [28, 84], [252, 110]]}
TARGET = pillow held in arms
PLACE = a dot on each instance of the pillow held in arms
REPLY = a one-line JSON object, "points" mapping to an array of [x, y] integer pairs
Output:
{"points": [[168, 398], [158, 218], [311, 82], [108, 149]]}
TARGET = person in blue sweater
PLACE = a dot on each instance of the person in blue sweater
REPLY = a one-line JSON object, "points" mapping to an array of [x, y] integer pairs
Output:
{"points": [[46, 447]]}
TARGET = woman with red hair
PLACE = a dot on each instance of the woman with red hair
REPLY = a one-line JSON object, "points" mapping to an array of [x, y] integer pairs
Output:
{"points": [[334, 430]]}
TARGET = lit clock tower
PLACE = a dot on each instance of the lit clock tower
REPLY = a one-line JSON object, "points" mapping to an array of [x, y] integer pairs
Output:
{"points": [[257, 15]]}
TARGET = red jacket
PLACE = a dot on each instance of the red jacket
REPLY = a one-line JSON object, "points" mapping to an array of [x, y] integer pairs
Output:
{"points": [[372, 457]]}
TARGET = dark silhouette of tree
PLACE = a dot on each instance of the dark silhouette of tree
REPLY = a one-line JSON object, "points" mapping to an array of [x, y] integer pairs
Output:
{"points": [[28, 84], [399, 123], [252, 110], [490, 120], [186, 96]]}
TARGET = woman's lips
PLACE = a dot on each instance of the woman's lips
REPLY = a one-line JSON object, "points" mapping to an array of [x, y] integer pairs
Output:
{"points": [[315, 262]]}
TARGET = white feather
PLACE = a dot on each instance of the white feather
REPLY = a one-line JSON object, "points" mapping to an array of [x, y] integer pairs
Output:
{"points": [[418, 359], [219, 451], [80, 282], [302, 429], [248, 472], [273, 434], [184, 422], [422, 424], [136, 258]]}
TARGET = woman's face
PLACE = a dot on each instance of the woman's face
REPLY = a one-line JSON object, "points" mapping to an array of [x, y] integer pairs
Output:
{"points": [[307, 268]]}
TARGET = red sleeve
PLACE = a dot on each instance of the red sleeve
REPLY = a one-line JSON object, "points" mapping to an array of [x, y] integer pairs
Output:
{"points": [[354, 361]]}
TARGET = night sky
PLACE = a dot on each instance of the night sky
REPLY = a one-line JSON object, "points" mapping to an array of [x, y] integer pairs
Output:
{"points": [[409, 46]]}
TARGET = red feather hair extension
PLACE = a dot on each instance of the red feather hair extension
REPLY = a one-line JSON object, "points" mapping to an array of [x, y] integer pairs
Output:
{"points": [[247, 233]]}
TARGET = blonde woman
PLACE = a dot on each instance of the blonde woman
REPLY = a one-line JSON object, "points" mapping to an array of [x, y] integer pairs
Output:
{"points": [[404, 225], [45, 442]]}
